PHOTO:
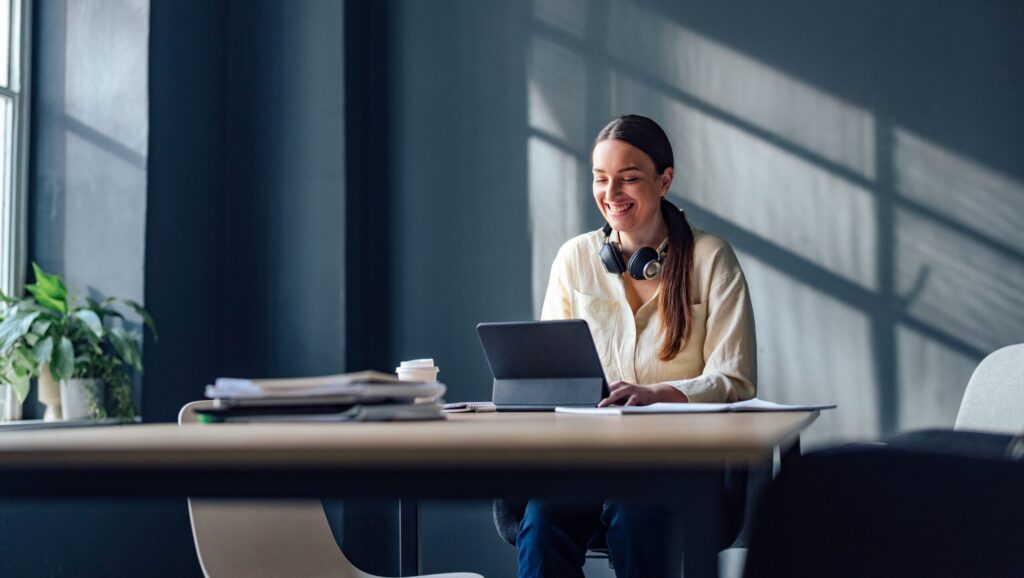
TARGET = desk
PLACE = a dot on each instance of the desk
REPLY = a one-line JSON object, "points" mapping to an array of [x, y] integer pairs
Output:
{"points": [[466, 456]]}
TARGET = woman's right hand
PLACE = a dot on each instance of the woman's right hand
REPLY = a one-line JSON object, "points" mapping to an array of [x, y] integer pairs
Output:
{"points": [[625, 393]]}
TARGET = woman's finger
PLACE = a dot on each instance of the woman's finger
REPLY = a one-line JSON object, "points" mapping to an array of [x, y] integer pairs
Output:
{"points": [[617, 384], [633, 400], [615, 396]]}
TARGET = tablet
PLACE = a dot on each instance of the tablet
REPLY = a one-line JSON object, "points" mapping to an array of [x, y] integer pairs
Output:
{"points": [[538, 365]]}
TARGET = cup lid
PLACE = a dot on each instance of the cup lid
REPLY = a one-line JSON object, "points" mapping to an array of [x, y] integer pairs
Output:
{"points": [[413, 370], [418, 363]]}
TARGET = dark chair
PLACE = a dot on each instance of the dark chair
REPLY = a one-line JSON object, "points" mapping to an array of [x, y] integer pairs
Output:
{"points": [[934, 503], [741, 489]]}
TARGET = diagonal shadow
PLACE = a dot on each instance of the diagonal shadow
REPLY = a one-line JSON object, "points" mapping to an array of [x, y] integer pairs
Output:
{"points": [[884, 307]]}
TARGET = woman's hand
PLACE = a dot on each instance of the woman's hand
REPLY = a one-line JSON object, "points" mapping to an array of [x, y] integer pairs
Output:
{"points": [[625, 393]]}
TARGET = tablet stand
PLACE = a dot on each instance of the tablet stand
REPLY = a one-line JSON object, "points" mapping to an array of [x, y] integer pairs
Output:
{"points": [[548, 391]]}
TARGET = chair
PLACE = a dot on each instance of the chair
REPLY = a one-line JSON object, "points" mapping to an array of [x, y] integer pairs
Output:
{"points": [[939, 503], [936, 502], [268, 538], [994, 399]]}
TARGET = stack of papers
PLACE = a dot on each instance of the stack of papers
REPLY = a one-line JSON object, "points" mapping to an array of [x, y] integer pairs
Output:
{"points": [[362, 396], [739, 406]]}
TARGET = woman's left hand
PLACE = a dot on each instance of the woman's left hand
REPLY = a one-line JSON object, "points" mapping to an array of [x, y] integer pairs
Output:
{"points": [[625, 393]]}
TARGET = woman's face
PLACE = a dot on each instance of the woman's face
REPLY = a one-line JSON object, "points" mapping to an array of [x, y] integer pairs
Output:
{"points": [[627, 189]]}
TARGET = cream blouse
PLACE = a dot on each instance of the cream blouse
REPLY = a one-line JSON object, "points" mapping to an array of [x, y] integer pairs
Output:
{"points": [[719, 361]]}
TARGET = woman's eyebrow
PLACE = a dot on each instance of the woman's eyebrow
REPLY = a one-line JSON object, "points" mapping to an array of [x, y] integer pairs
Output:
{"points": [[622, 170]]}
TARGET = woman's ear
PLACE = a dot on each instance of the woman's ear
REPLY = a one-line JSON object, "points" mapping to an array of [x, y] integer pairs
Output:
{"points": [[666, 180]]}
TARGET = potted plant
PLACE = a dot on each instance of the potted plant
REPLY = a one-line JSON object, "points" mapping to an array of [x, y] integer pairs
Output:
{"points": [[86, 348]]}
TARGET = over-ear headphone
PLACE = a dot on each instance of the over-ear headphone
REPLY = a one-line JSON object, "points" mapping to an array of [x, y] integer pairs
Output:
{"points": [[643, 265]]}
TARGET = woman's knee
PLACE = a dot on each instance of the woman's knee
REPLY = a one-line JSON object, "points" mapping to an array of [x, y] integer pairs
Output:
{"points": [[547, 522], [641, 518]]}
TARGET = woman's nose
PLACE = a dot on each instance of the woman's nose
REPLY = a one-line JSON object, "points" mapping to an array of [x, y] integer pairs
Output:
{"points": [[614, 188]]}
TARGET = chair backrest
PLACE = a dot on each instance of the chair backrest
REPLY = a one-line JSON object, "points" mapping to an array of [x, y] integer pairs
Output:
{"points": [[994, 399], [264, 538]]}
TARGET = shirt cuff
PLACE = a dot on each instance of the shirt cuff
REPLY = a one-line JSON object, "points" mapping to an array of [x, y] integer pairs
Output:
{"points": [[703, 389]]}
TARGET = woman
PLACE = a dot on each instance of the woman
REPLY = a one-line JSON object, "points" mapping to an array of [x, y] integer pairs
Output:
{"points": [[669, 311]]}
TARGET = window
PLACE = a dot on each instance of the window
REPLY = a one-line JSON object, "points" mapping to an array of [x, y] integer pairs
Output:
{"points": [[14, 53]]}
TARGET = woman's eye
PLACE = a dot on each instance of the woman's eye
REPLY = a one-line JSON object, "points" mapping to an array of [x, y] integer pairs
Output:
{"points": [[630, 180], [600, 180]]}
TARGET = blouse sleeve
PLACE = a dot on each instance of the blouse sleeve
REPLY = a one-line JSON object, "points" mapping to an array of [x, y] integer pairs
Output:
{"points": [[730, 346]]}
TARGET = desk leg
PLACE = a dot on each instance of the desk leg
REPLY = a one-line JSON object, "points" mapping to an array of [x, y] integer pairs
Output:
{"points": [[700, 546], [409, 532], [789, 456]]}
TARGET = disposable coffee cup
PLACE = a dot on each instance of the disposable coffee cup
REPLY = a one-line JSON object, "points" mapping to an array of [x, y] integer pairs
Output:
{"points": [[420, 370]]}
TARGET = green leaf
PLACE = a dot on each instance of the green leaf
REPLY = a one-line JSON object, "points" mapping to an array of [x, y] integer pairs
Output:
{"points": [[146, 317], [43, 350], [91, 320], [14, 327], [62, 364], [28, 306], [24, 357], [126, 347], [51, 283], [21, 386], [49, 290], [41, 326]]}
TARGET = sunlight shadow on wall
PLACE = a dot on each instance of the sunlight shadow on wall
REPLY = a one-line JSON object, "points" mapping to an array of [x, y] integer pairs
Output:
{"points": [[554, 208], [569, 16], [98, 93], [556, 80], [102, 179], [932, 379], [106, 124], [968, 291], [986, 202], [886, 322], [737, 84], [758, 186], [556, 83], [803, 359]]}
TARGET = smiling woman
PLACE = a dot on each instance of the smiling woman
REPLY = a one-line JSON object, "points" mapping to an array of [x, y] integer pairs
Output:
{"points": [[670, 314]]}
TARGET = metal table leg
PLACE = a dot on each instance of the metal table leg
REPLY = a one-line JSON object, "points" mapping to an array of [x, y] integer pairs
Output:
{"points": [[408, 530]]}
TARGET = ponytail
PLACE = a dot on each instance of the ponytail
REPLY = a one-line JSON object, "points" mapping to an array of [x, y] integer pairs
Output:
{"points": [[676, 284]]}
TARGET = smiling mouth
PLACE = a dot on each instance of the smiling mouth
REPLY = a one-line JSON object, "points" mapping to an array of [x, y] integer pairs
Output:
{"points": [[618, 209]]}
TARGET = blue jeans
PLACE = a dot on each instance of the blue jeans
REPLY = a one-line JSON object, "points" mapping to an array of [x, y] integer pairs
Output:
{"points": [[643, 539]]}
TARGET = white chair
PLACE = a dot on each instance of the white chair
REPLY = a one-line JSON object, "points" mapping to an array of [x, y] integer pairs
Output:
{"points": [[994, 399], [268, 538]]}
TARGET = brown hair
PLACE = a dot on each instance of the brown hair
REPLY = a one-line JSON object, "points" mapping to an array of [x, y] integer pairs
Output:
{"points": [[676, 287]]}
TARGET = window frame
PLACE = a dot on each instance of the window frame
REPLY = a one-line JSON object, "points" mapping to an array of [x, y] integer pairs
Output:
{"points": [[14, 198]]}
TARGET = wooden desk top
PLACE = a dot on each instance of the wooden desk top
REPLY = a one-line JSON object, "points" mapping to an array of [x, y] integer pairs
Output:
{"points": [[464, 441]]}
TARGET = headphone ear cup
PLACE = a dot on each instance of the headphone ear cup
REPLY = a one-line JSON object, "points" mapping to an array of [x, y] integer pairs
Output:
{"points": [[612, 259], [639, 264]]}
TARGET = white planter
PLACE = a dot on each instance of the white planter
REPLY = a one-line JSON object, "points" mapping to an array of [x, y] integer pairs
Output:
{"points": [[49, 394], [76, 394], [10, 406]]}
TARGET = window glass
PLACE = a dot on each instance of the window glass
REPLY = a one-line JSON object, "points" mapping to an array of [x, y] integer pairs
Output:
{"points": [[5, 42]]}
